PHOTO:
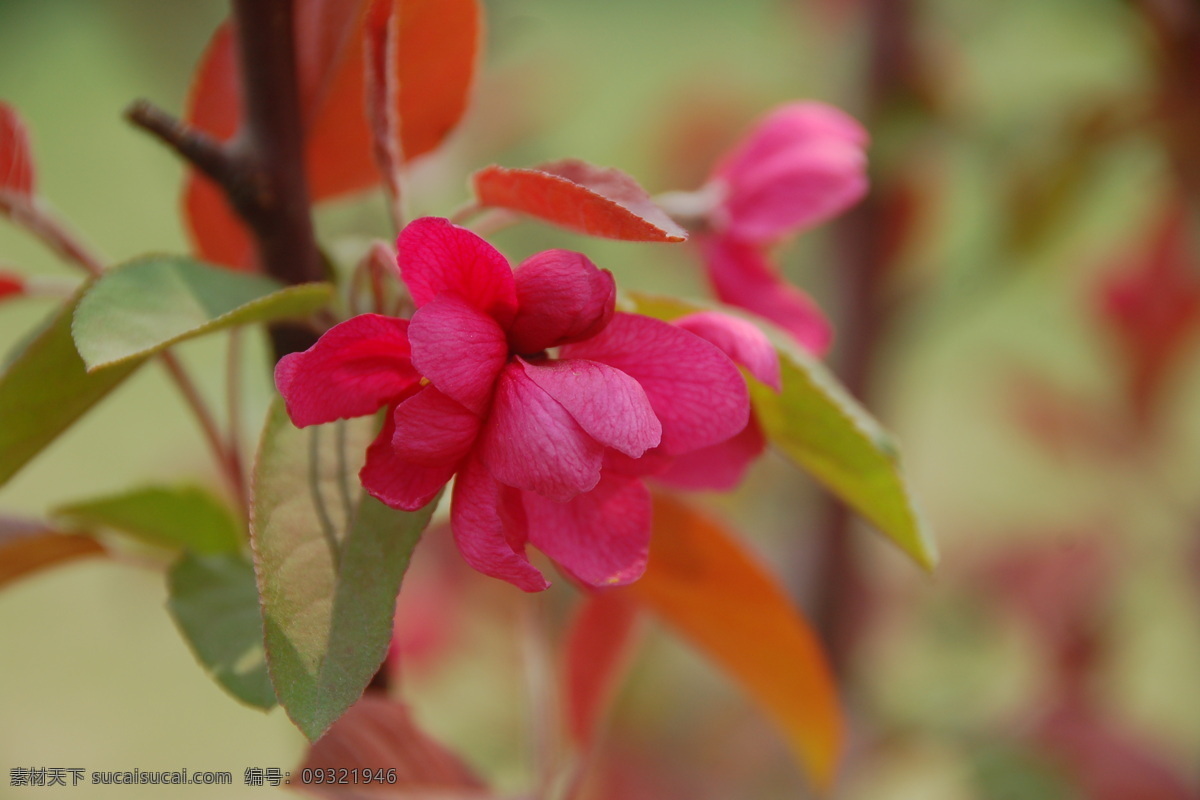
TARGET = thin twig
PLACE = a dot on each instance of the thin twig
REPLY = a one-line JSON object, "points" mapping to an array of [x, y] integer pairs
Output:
{"points": [[460, 215], [230, 465], [33, 216], [206, 153], [494, 220], [537, 678]]}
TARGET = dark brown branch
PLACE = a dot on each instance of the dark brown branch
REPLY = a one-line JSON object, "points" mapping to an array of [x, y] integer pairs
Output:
{"points": [[204, 152], [274, 139], [262, 170]]}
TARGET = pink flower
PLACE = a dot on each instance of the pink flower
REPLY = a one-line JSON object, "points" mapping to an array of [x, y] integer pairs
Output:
{"points": [[721, 466], [545, 446], [801, 165]]}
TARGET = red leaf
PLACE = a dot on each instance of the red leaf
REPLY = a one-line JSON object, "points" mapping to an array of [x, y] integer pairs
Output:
{"points": [[214, 106], [27, 547], [598, 647], [582, 197], [337, 154], [377, 733], [702, 582], [436, 52], [16, 163]]}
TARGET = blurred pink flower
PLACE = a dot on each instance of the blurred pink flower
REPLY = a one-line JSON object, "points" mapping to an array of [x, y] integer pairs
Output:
{"points": [[801, 165], [540, 444], [1151, 305]]}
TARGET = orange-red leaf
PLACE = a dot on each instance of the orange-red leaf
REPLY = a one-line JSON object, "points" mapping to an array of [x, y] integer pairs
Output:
{"points": [[27, 546], [594, 200], [703, 583], [598, 646], [16, 163], [436, 52], [214, 106], [377, 733]]}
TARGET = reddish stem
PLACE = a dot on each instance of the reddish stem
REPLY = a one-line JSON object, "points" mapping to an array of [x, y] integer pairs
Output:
{"points": [[30, 214]]}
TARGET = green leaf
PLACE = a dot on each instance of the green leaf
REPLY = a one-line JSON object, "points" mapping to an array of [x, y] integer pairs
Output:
{"points": [[214, 602], [151, 303], [329, 559], [822, 429], [45, 388], [183, 516]]}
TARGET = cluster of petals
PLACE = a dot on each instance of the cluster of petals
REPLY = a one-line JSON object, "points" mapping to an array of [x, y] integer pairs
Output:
{"points": [[547, 405], [799, 166]]}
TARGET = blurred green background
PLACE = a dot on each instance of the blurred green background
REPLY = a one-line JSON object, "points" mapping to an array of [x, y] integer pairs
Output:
{"points": [[947, 676]]}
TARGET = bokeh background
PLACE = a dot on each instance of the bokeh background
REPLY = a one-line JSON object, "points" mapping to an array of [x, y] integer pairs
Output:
{"points": [[1025, 325]]}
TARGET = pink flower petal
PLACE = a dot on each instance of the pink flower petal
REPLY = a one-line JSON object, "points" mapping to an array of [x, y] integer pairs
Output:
{"points": [[484, 533], [396, 481], [786, 127], [610, 406], [601, 537], [436, 256], [353, 370], [458, 348], [741, 276], [531, 442], [794, 190], [695, 390], [740, 340], [433, 430], [717, 468], [562, 298]]}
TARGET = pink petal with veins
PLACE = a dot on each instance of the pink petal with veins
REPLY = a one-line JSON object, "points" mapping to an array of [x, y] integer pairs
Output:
{"points": [[717, 468], [610, 406], [740, 340], [436, 256], [354, 369], [562, 298], [695, 390], [531, 442], [484, 533], [433, 430], [601, 537], [741, 276], [458, 348], [396, 481]]}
